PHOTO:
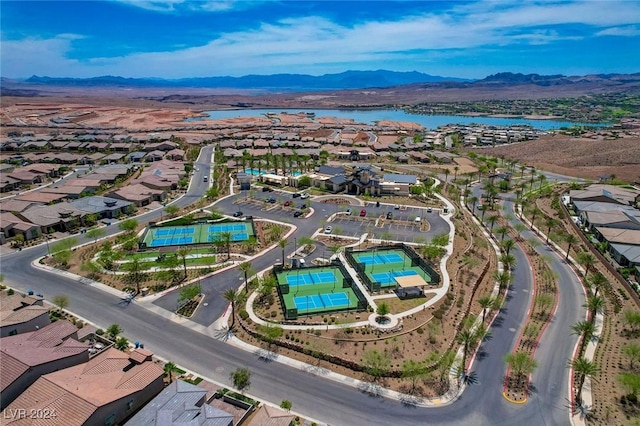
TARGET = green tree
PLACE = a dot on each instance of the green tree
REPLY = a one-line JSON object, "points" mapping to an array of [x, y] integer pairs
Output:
{"points": [[586, 260], [383, 310], [631, 382], [135, 274], [246, 269], [113, 331], [571, 240], [550, 223], [270, 333], [507, 245], [486, 302], [170, 368], [583, 368], [61, 301], [122, 343], [586, 330], [232, 297], [286, 405], [189, 292], [544, 301], [597, 282], [171, 210], [96, 233], [241, 378], [595, 305], [376, 363], [183, 252], [412, 371], [304, 182], [632, 351], [521, 364], [128, 225], [492, 221]]}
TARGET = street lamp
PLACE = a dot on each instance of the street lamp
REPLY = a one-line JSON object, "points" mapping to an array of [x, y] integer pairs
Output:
{"points": [[48, 249]]}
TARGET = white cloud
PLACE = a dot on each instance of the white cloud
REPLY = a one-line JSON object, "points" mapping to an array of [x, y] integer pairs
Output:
{"points": [[317, 45], [171, 6], [627, 31]]}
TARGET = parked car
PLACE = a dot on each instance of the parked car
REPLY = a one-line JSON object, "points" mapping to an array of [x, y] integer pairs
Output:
{"points": [[304, 195], [287, 203], [429, 210], [363, 212], [237, 214], [348, 212], [296, 194], [267, 189], [328, 229], [396, 207], [297, 213], [205, 179], [418, 219], [389, 215], [271, 200]]}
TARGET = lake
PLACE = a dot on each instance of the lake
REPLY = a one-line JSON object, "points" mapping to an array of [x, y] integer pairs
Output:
{"points": [[428, 121]]}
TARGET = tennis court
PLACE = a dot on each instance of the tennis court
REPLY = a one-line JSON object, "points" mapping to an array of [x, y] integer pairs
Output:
{"points": [[312, 278], [382, 267], [319, 290], [201, 233], [323, 300]]}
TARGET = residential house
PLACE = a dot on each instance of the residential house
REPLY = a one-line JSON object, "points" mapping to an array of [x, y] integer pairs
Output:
{"points": [[364, 180], [69, 191], [606, 194], [397, 184], [155, 155], [27, 356], [136, 157], [41, 197], [62, 216], [26, 178], [13, 205], [268, 415], [20, 314], [8, 184], [181, 403], [623, 244], [101, 392], [166, 183], [138, 194], [10, 226], [102, 207], [176, 154]]}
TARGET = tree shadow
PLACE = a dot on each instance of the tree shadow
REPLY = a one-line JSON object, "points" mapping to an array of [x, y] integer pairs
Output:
{"points": [[410, 401], [372, 389], [265, 355], [471, 378], [498, 321]]}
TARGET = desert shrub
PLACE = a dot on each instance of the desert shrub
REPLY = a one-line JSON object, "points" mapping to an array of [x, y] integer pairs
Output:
{"points": [[243, 314]]}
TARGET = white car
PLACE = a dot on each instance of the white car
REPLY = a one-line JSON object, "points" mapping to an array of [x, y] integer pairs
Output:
{"points": [[418, 219], [304, 195], [348, 212], [328, 229]]}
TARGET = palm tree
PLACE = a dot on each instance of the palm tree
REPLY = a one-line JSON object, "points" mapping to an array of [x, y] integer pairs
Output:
{"points": [[170, 368], [455, 172], [521, 364], [245, 267], [508, 260], [467, 339], [583, 368], [232, 297], [492, 221], [571, 240], [473, 200], [226, 238], [507, 245], [502, 231], [551, 223], [584, 329], [595, 305], [182, 253], [486, 302], [597, 282], [520, 228], [504, 279], [541, 178], [282, 244], [534, 212], [586, 260]]}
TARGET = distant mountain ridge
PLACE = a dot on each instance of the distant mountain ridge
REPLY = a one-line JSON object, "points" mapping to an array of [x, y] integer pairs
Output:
{"points": [[284, 82]]}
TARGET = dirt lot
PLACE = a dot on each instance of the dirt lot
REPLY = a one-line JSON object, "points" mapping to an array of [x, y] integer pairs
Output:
{"points": [[580, 157]]}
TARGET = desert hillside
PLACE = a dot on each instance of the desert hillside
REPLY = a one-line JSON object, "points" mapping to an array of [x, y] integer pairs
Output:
{"points": [[581, 157]]}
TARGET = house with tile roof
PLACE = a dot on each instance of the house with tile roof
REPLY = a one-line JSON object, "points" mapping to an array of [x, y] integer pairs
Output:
{"points": [[270, 416], [106, 390], [181, 403], [27, 356], [21, 314]]}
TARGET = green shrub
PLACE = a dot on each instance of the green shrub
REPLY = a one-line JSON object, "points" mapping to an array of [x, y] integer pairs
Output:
{"points": [[419, 330], [243, 314], [99, 332]]}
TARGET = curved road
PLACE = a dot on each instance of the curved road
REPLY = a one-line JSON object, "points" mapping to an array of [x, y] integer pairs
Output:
{"points": [[333, 402]]}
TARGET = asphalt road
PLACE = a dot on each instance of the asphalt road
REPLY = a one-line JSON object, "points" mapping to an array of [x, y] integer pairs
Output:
{"points": [[332, 402]]}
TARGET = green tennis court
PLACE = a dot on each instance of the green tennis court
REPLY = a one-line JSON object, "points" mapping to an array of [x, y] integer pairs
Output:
{"points": [[382, 266], [311, 291], [199, 233]]}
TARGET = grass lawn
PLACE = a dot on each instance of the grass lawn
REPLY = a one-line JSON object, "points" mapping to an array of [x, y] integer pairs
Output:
{"points": [[397, 306]]}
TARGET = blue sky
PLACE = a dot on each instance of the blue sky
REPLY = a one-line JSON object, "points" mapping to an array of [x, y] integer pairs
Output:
{"points": [[176, 39]]}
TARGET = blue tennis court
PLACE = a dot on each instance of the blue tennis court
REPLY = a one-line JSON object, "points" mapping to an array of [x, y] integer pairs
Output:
{"points": [[317, 301], [378, 259], [174, 231], [234, 237], [311, 279], [227, 228], [388, 277]]}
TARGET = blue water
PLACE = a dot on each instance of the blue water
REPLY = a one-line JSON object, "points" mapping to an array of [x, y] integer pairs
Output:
{"points": [[428, 121], [254, 172]]}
